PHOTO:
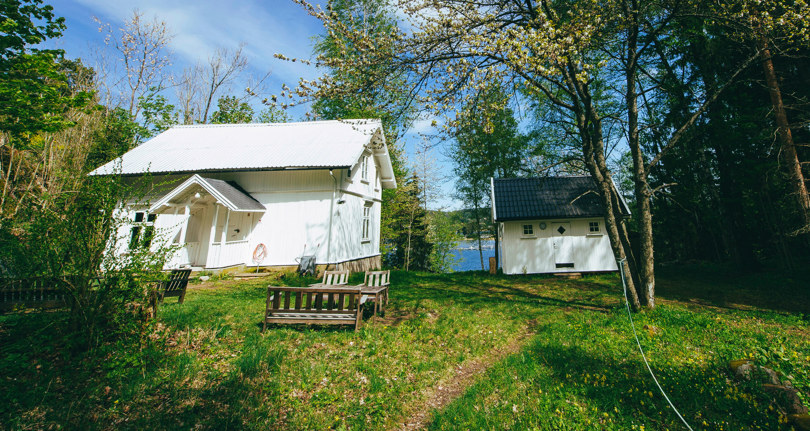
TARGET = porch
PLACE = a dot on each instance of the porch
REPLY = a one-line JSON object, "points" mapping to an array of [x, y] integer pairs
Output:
{"points": [[212, 222]]}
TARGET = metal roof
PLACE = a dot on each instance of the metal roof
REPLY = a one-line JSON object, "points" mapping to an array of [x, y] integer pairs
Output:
{"points": [[228, 193], [549, 197], [244, 147]]}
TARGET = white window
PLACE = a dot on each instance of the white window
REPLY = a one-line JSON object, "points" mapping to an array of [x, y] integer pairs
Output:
{"points": [[528, 230], [142, 231], [237, 223], [364, 169], [366, 227], [593, 227]]}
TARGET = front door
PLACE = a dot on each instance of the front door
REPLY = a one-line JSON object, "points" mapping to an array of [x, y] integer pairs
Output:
{"points": [[563, 247], [200, 232]]}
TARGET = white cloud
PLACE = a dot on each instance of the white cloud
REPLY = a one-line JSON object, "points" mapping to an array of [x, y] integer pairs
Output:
{"points": [[200, 27]]}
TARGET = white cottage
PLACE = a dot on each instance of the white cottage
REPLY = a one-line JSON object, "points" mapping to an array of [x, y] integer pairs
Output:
{"points": [[551, 225], [219, 191]]}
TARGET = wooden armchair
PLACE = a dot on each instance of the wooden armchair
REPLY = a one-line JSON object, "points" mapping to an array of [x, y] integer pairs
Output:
{"points": [[175, 286], [377, 278], [375, 286], [335, 278]]}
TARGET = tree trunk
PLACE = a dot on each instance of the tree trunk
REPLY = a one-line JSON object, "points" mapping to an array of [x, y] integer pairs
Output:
{"points": [[642, 190], [730, 200], [408, 249], [478, 235], [788, 148], [496, 230], [773, 220], [597, 165], [589, 126]]}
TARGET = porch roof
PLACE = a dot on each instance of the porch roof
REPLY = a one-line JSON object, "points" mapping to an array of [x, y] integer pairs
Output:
{"points": [[227, 193]]}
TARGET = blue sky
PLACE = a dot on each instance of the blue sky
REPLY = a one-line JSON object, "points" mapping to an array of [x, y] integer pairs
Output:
{"points": [[200, 27]]}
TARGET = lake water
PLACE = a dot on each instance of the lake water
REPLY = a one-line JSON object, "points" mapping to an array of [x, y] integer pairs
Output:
{"points": [[468, 257]]}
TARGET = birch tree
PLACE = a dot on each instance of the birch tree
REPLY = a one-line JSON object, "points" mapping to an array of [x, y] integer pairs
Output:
{"points": [[141, 48], [223, 68], [188, 91]]}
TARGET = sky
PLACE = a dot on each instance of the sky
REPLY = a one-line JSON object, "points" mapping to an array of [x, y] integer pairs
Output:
{"points": [[199, 27]]}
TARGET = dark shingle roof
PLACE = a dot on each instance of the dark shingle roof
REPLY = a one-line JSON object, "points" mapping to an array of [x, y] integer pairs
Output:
{"points": [[549, 197], [238, 196]]}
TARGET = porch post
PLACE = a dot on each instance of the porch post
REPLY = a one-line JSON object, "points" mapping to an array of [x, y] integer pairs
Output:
{"points": [[224, 235], [208, 261], [176, 209], [184, 228]]}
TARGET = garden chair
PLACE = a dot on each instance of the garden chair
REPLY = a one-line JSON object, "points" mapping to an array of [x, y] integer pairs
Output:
{"points": [[175, 285], [375, 286], [335, 278]]}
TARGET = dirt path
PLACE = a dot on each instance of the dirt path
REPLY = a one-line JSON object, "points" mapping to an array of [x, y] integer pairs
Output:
{"points": [[447, 390]]}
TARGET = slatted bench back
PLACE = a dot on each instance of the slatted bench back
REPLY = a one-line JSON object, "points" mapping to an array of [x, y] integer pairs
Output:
{"points": [[177, 283], [44, 292], [335, 278], [308, 299], [330, 305], [377, 278]]}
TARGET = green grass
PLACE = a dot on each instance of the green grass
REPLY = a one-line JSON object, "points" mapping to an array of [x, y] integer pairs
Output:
{"points": [[206, 365]]}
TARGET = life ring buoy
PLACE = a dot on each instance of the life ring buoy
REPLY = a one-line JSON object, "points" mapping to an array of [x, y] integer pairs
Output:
{"points": [[259, 253]]}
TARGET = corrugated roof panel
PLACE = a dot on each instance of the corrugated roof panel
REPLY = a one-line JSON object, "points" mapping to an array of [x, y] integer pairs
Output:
{"points": [[226, 147]]}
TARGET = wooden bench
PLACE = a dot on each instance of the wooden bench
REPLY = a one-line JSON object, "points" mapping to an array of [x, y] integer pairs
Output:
{"points": [[38, 292], [322, 305], [376, 285], [175, 286]]}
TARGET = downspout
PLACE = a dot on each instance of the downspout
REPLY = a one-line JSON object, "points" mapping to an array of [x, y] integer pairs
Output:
{"points": [[331, 216]]}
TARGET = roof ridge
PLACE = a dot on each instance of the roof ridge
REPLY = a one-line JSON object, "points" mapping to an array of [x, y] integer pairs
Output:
{"points": [[543, 178], [292, 123]]}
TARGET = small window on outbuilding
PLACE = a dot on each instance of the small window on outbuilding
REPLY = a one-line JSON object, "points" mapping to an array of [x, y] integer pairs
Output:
{"points": [[593, 227], [528, 230]]}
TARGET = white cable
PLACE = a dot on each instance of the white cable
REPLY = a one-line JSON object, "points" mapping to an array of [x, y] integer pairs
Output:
{"points": [[632, 325]]}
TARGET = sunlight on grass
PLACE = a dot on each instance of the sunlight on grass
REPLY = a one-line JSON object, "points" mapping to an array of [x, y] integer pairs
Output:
{"points": [[206, 364]]}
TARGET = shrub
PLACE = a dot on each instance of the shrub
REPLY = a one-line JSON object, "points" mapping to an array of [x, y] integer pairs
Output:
{"points": [[72, 242]]}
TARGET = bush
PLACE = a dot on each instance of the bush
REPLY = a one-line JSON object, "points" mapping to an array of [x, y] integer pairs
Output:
{"points": [[71, 239]]}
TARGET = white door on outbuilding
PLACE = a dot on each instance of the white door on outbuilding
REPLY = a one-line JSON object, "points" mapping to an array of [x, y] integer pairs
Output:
{"points": [[563, 244]]}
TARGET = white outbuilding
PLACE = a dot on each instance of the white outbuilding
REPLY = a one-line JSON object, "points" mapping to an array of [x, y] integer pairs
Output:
{"points": [[220, 192], [551, 225]]}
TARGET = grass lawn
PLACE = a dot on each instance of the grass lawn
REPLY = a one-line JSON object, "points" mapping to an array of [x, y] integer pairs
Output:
{"points": [[538, 353]]}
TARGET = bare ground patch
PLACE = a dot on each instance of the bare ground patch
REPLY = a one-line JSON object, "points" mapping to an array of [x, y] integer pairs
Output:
{"points": [[450, 388]]}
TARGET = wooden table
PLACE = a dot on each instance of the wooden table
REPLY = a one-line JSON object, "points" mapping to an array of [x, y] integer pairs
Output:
{"points": [[379, 293]]}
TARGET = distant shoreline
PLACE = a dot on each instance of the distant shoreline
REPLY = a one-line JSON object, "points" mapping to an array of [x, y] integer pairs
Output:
{"points": [[486, 244]]}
